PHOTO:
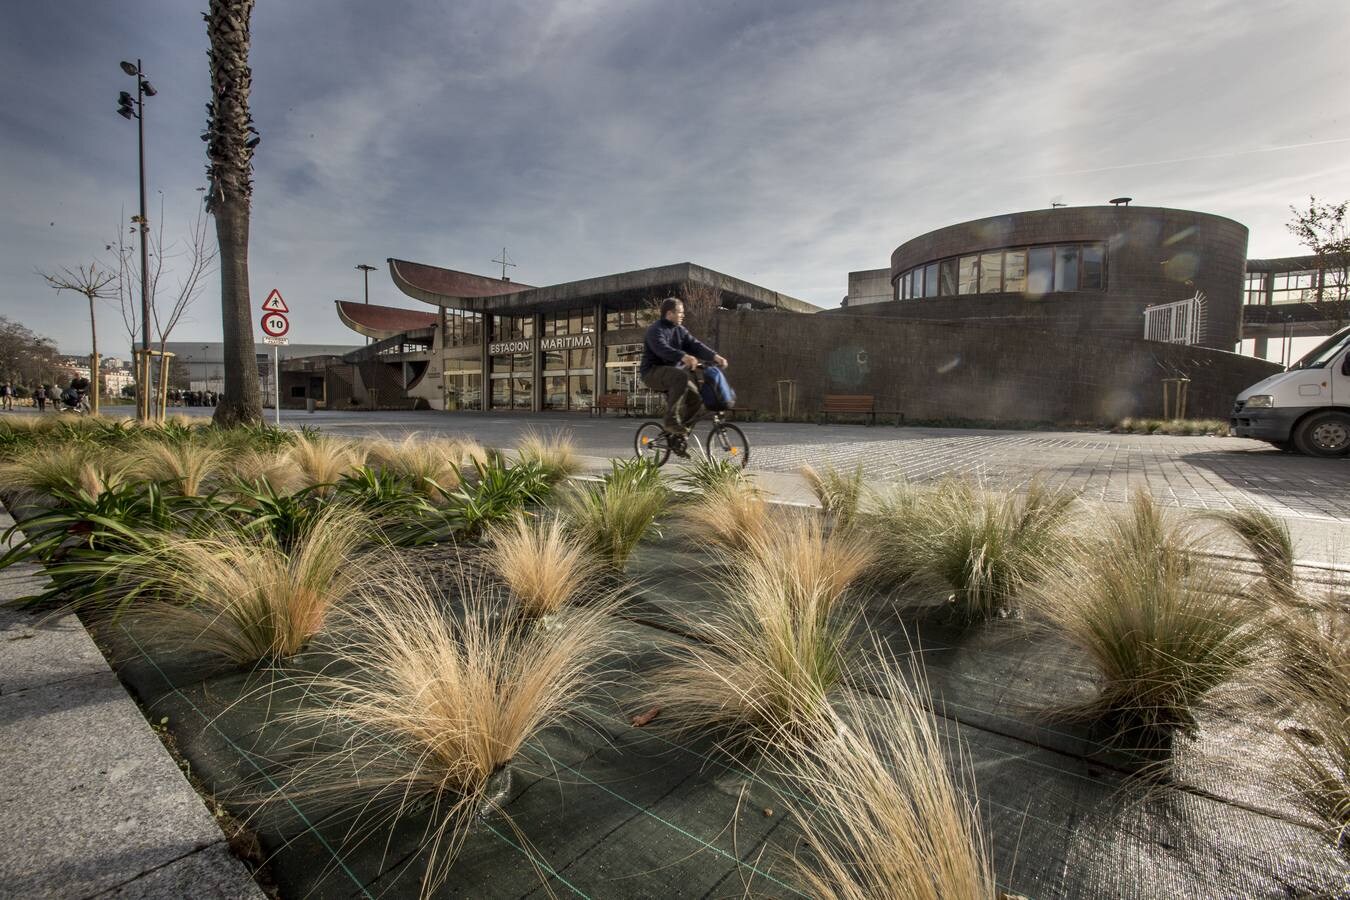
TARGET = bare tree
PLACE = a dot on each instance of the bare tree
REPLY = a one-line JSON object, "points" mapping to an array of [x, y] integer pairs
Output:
{"points": [[191, 259], [701, 302], [94, 284], [1322, 229], [230, 138]]}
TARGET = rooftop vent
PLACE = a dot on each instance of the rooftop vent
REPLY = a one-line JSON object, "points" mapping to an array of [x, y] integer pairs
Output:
{"points": [[1120, 201]]}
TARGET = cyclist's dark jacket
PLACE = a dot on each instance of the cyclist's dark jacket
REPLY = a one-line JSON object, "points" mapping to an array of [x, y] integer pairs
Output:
{"points": [[666, 344]]}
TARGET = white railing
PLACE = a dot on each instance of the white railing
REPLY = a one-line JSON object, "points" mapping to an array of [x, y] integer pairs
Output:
{"points": [[1182, 322]]}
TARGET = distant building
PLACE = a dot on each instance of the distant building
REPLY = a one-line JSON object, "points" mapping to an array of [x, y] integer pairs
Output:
{"points": [[206, 361]]}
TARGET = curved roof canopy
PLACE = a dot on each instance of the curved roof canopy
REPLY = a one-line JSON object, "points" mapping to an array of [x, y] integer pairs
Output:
{"points": [[380, 322]]}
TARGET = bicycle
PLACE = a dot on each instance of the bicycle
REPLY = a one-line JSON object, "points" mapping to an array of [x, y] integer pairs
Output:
{"points": [[725, 441]]}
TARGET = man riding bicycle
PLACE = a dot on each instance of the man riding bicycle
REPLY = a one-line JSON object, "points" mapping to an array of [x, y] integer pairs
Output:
{"points": [[669, 356]]}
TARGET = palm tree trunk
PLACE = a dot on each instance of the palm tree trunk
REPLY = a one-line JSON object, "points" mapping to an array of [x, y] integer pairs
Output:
{"points": [[242, 403], [230, 168], [94, 361]]}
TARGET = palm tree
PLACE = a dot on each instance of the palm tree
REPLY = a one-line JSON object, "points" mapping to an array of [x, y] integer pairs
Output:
{"points": [[230, 138], [93, 284]]}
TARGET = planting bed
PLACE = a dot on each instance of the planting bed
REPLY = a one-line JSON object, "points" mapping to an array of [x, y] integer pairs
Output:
{"points": [[605, 809]]}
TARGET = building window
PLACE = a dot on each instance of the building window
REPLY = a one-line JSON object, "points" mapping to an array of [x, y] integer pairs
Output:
{"points": [[1066, 269], [1015, 271], [1040, 270], [1256, 287], [930, 280], [1294, 287], [968, 275], [947, 279], [1093, 274], [902, 286], [991, 272]]}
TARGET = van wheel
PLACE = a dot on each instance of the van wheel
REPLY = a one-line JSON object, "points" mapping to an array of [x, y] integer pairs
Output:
{"points": [[1324, 434]]}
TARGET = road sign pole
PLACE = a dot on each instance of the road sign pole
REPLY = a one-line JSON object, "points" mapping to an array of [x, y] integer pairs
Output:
{"points": [[276, 378]]}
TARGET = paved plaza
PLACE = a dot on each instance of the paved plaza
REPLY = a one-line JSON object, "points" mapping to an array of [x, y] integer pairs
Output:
{"points": [[1193, 472]]}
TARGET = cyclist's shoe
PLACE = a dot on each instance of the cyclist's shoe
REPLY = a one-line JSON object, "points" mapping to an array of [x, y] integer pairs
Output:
{"points": [[679, 445]]}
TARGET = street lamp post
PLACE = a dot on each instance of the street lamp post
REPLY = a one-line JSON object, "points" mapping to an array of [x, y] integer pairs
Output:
{"points": [[125, 110], [366, 270]]}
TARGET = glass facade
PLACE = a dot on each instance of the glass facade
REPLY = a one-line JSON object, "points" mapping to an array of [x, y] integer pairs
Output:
{"points": [[1255, 291], [461, 328], [1014, 270], [569, 375]]}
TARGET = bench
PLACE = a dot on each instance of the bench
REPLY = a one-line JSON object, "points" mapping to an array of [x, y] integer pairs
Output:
{"points": [[855, 404], [617, 401]]}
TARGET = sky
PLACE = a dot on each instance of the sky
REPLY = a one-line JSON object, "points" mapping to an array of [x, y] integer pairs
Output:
{"points": [[786, 143]]}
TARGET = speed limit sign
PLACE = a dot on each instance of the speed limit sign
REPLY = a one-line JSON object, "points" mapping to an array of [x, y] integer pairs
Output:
{"points": [[274, 324]]}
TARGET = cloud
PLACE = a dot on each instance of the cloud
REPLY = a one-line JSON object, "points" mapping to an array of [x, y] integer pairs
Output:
{"points": [[783, 142]]}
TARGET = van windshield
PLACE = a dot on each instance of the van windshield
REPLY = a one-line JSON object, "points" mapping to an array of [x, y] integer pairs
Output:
{"points": [[1325, 352]]}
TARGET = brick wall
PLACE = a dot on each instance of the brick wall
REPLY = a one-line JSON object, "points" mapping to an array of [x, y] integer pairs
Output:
{"points": [[971, 370]]}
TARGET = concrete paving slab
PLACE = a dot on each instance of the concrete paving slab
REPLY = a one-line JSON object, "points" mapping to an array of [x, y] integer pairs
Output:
{"points": [[90, 801]]}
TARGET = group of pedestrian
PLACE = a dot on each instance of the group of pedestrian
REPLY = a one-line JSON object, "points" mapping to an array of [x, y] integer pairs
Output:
{"points": [[43, 394], [193, 398]]}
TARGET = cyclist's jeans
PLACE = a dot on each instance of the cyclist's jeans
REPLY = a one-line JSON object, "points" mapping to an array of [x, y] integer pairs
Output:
{"points": [[681, 395]]}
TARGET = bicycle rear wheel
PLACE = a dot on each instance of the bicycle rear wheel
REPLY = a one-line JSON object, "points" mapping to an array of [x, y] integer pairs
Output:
{"points": [[728, 442], [650, 443]]}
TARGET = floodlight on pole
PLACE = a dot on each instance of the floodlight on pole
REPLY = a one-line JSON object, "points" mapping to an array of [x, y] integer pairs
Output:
{"points": [[127, 111]]}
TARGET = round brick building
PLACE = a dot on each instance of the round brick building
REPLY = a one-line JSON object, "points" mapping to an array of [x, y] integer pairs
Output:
{"points": [[1088, 270]]}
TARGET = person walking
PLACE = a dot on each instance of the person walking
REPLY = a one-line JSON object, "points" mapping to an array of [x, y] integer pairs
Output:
{"points": [[7, 395], [40, 398], [669, 356]]}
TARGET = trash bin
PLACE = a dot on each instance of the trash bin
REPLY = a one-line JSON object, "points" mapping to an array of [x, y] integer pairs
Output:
{"points": [[309, 404]]}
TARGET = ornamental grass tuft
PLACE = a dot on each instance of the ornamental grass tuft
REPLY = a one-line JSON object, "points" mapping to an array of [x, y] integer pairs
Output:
{"points": [[554, 452], [427, 463], [1315, 675], [322, 460], [732, 515], [430, 709], [612, 518], [763, 664], [1160, 623], [184, 468], [543, 566], [883, 816], [1266, 537], [41, 471], [839, 494], [983, 547], [239, 595]]}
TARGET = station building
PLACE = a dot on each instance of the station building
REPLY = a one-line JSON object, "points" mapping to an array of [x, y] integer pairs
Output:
{"points": [[494, 344], [1029, 316]]}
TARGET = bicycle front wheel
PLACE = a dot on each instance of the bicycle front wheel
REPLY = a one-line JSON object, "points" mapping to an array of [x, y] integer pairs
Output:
{"points": [[650, 443], [728, 442]]}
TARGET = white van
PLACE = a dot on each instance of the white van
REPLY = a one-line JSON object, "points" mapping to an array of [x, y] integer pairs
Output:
{"points": [[1306, 407]]}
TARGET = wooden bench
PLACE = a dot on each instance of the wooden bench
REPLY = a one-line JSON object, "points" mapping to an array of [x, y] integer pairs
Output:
{"points": [[617, 401], [855, 404]]}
